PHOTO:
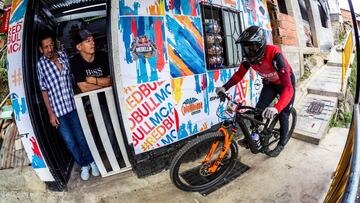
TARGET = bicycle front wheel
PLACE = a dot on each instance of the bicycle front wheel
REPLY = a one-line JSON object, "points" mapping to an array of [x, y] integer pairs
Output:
{"points": [[188, 171]]}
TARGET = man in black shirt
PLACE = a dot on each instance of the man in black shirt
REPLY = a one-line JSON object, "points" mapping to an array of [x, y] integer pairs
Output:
{"points": [[90, 67], [91, 72]]}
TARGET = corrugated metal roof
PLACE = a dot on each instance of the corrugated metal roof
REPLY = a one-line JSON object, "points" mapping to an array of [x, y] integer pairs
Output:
{"points": [[58, 6]]}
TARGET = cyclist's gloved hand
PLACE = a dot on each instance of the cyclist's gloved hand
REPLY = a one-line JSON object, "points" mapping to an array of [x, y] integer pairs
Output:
{"points": [[269, 112], [219, 90]]}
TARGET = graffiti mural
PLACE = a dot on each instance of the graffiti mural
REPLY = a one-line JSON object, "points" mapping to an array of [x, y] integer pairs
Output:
{"points": [[142, 48], [256, 13], [183, 7], [37, 160], [151, 115], [185, 45], [149, 7], [192, 104], [18, 106], [18, 9], [230, 3], [184, 103], [216, 78]]}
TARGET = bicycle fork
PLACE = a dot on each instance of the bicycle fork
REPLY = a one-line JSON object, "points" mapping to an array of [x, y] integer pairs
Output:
{"points": [[227, 142]]}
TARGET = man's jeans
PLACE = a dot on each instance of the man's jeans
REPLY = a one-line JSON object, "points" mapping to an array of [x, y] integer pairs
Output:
{"points": [[267, 95], [73, 135]]}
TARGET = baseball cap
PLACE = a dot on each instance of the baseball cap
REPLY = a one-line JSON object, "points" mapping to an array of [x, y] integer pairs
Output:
{"points": [[81, 36]]}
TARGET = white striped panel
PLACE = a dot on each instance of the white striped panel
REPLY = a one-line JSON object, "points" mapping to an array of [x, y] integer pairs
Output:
{"points": [[103, 132], [115, 122], [88, 135]]}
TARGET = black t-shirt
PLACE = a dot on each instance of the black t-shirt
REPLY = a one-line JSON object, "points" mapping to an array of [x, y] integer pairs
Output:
{"points": [[81, 69]]}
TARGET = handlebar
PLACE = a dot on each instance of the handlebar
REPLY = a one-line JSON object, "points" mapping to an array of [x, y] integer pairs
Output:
{"points": [[224, 97]]}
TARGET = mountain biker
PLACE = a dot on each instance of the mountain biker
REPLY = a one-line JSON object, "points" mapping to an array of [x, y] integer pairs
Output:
{"points": [[278, 78]]}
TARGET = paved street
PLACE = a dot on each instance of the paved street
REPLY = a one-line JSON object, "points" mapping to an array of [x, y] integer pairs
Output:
{"points": [[302, 173]]}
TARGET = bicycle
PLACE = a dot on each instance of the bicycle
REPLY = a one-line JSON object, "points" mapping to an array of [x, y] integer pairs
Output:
{"points": [[212, 156]]}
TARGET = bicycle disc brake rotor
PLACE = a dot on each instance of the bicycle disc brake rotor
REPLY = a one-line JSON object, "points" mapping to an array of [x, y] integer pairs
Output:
{"points": [[204, 169]]}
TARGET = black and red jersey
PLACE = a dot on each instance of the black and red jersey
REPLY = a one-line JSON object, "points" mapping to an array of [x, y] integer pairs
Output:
{"points": [[273, 67]]}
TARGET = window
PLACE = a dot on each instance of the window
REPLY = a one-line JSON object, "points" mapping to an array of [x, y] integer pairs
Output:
{"points": [[303, 10], [221, 30], [282, 7], [323, 11]]}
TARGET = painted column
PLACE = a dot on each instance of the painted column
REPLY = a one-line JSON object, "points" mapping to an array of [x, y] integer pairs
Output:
{"points": [[16, 85]]}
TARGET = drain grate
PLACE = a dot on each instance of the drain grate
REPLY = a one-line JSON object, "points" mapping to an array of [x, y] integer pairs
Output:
{"points": [[315, 108], [192, 177]]}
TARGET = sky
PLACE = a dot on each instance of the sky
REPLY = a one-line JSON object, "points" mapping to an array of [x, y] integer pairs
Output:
{"points": [[344, 4]]}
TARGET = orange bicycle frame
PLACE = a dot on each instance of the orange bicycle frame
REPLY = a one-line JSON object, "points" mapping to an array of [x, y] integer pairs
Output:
{"points": [[227, 141]]}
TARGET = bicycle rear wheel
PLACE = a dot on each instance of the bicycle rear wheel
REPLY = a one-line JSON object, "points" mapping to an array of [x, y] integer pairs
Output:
{"points": [[272, 142], [188, 173]]}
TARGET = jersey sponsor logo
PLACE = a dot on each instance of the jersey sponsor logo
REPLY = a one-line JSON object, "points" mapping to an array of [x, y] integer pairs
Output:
{"points": [[273, 76]]}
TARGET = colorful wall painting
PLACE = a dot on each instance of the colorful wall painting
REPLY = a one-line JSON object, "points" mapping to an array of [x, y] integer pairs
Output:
{"points": [[213, 2], [16, 86], [192, 104], [143, 7], [256, 13], [138, 38], [246, 92], [230, 3], [185, 45], [182, 7], [151, 115], [217, 78]]}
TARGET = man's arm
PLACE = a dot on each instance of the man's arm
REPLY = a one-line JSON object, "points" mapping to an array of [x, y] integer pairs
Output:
{"points": [[53, 119], [287, 87], [86, 87], [244, 67], [101, 81]]}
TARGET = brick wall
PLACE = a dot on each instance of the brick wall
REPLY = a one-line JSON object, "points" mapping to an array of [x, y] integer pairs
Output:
{"points": [[283, 26], [346, 15]]}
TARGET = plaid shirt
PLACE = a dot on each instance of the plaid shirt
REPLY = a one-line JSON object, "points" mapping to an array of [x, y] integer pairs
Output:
{"points": [[57, 84]]}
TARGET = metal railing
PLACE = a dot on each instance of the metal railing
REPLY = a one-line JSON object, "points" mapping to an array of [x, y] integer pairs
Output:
{"points": [[346, 57], [99, 121], [344, 186]]}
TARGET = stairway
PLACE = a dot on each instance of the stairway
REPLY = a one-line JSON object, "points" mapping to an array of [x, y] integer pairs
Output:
{"points": [[318, 105]]}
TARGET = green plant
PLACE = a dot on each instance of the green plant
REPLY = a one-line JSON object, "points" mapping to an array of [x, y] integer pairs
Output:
{"points": [[4, 87], [306, 74], [342, 35], [352, 78], [333, 121]]}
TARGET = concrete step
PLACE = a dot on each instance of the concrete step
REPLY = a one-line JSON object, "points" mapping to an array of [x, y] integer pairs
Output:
{"points": [[314, 113], [335, 57], [327, 82]]}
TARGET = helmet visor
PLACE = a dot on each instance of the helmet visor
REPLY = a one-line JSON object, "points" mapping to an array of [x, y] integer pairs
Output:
{"points": [[251, 50]]}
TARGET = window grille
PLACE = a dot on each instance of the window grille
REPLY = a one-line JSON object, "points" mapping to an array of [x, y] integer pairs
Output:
{"points": [[222, 27]]}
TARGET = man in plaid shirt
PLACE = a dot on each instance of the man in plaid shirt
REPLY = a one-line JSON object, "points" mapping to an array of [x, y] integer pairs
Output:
{"points": [[53, 72]]}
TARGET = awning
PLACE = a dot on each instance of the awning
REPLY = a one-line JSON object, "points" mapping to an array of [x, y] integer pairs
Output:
{"points": [[58, 6]]}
